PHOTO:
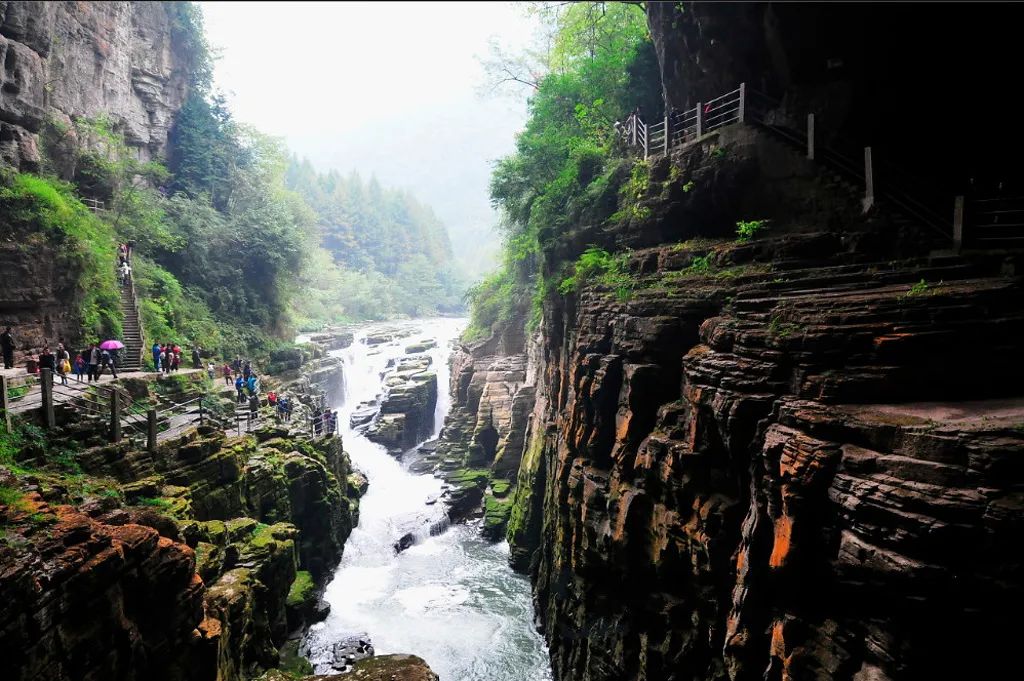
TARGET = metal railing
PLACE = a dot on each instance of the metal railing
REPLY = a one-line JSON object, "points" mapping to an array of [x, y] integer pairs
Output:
{"points": [[990, 221], [679, 128], [94, 204]]}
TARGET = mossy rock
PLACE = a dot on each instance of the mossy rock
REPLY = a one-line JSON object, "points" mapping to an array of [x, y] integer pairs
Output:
{"points": [[209, 561], [496, 514], [302, 590], [465, 478], [239, 529], [391, 667], [421, 346], [500, 487]]}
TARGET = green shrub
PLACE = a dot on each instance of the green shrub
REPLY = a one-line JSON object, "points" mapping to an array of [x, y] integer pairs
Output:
{"points": [[748, 229], [598, 265], [83, 243]]}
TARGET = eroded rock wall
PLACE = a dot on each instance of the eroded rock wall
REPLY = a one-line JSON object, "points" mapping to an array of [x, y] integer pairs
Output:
{"points": [[68, 60], [778, 459]]}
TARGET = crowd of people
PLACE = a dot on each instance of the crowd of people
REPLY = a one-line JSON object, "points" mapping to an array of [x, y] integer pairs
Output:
{"points": [[92, 362], [166, 357]]}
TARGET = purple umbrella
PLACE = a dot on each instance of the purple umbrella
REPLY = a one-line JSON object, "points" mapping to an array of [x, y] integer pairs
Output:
{"points": [[111, 345]]}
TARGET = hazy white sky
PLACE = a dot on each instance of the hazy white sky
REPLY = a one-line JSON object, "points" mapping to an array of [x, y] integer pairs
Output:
{"points": [[385, 88]]}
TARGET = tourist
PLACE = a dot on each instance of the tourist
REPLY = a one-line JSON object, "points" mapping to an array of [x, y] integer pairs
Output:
{"points": [[156, 356], [237, 365], [240, 387], [272, 398], [246, 369], [63, 364], [112, 358], [197, 362], [227, 373], [288, 409], [211, 371], [94, 362], [125, 273], [7, 345], [104, 360], [79, 367], [282, 408], [46, 359], [254, 407], [176, 359], [122, 252]]}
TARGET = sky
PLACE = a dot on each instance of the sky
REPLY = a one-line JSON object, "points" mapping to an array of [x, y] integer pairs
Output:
{"points": [[384, 88]]}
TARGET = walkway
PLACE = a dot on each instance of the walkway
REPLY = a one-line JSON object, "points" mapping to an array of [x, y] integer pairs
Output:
{"points": [[990, 221]]}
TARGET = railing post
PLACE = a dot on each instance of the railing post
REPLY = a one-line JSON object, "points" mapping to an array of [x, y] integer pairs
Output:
{"points": [[151, 431], [810, 136], [632, 125], [115, 417], [958, 223], [668, 134], [743, 102], [4, 406], [700, 120], [647, 142], [869, 181], [200, 411], [46, 386]]}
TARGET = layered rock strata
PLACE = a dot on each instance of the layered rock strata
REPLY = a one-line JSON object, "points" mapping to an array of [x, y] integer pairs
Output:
{"points": [[203, 556], [64, 61], [406, 411], [782, 458]]}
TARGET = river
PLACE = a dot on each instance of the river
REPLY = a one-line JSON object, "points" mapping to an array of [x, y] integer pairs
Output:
{"points": [[450, 598]]}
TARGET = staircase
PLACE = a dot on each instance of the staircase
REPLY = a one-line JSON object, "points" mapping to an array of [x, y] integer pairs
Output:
{"points": [[131, 355]]}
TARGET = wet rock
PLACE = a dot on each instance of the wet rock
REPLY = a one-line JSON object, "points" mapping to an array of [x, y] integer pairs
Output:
{"points": [[421, 346], [404, 542], [347, 651]]}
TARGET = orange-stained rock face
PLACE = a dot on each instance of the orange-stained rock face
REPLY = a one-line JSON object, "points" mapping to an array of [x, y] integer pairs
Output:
{"points": [[81, 585], [734, 484]]}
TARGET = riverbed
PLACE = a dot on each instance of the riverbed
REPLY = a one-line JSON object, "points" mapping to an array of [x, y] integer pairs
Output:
{"points": [[451, 598]]}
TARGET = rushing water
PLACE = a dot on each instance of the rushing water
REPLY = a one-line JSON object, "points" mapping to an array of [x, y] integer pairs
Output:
{"points": [[451, 598]]}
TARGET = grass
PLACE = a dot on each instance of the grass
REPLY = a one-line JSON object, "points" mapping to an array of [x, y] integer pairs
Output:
{"points": [[596, 265], [155, 502], [81, 240]]}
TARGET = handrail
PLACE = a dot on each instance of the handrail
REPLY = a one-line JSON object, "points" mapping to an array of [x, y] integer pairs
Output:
{"points": [[745, 104]]}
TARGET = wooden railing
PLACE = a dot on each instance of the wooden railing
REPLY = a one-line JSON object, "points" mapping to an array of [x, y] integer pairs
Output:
{"points": [[112, 404], [990, 221]]}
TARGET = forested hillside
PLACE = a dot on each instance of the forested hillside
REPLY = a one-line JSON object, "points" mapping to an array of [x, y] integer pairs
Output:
{"points": [[236, 245], [599, 66], [388, 253]]}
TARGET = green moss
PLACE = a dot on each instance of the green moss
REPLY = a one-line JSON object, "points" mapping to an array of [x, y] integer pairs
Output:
{"points": [[293, 665], [523, 494], [82, 243], [500, 488], [465, 478], [303, 589], [496, 512], [158, 502], [13, 498]]}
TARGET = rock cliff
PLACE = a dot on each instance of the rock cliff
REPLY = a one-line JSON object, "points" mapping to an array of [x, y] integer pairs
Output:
{"points": [[785, 457], [196, 561], [64, 61]]}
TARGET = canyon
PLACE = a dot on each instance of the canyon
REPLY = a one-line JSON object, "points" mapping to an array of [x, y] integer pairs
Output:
{"points": [[791, 452]]}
